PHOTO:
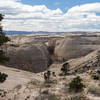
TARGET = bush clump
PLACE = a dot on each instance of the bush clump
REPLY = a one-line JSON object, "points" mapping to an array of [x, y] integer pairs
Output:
{"points": [[65, 68], [96, 77], [47, 75], [76, 84], [3, 77]]}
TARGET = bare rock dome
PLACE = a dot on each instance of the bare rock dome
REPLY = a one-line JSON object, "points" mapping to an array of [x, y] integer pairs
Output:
{"points": [[30, 57], [74, 46]]}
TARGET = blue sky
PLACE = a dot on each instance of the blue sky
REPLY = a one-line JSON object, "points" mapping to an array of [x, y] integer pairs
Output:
{"points": [[51, 15], [64, 5]]}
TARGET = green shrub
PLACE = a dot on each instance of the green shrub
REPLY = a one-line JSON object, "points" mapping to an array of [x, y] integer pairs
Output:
{"points": [[96, 77], [47, 75], [3, 77], [76, 84], [65, 68]]}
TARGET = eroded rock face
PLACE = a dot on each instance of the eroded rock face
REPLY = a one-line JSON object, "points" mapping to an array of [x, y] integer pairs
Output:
{"points": [[30, 57], [75, 46], [85, 63]]}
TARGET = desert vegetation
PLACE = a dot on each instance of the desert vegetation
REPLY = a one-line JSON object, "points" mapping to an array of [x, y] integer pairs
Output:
{"points": [[3, 39], [65, 68], [3, 58], [76, 85], [3, 77]]}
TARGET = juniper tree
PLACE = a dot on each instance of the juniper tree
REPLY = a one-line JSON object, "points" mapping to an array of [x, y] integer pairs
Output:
{"points": [[3, 40], [76, 84], [3, 77]]}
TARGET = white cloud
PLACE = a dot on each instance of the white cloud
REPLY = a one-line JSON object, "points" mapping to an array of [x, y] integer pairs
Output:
{"points": [[93, 7], [19, 16]]}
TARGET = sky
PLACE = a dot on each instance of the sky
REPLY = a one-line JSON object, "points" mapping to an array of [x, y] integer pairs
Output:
{"points": [[51, 15]]}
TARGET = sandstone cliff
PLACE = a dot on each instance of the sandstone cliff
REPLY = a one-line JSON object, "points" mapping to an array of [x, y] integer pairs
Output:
{"points": [[30, 57], [75, 46]]}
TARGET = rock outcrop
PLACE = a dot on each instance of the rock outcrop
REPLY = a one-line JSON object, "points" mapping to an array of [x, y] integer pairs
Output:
{"points": [[75, 46], [86, 63], [30, 57]]}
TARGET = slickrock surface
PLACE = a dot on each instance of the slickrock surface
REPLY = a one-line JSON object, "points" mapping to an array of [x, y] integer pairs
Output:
{"points": [[30, 57], [83, 64], [75, 46]]}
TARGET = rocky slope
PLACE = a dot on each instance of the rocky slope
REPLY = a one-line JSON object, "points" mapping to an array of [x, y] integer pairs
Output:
{"points": [[83, 64], [22, 85], [30, 53]]}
